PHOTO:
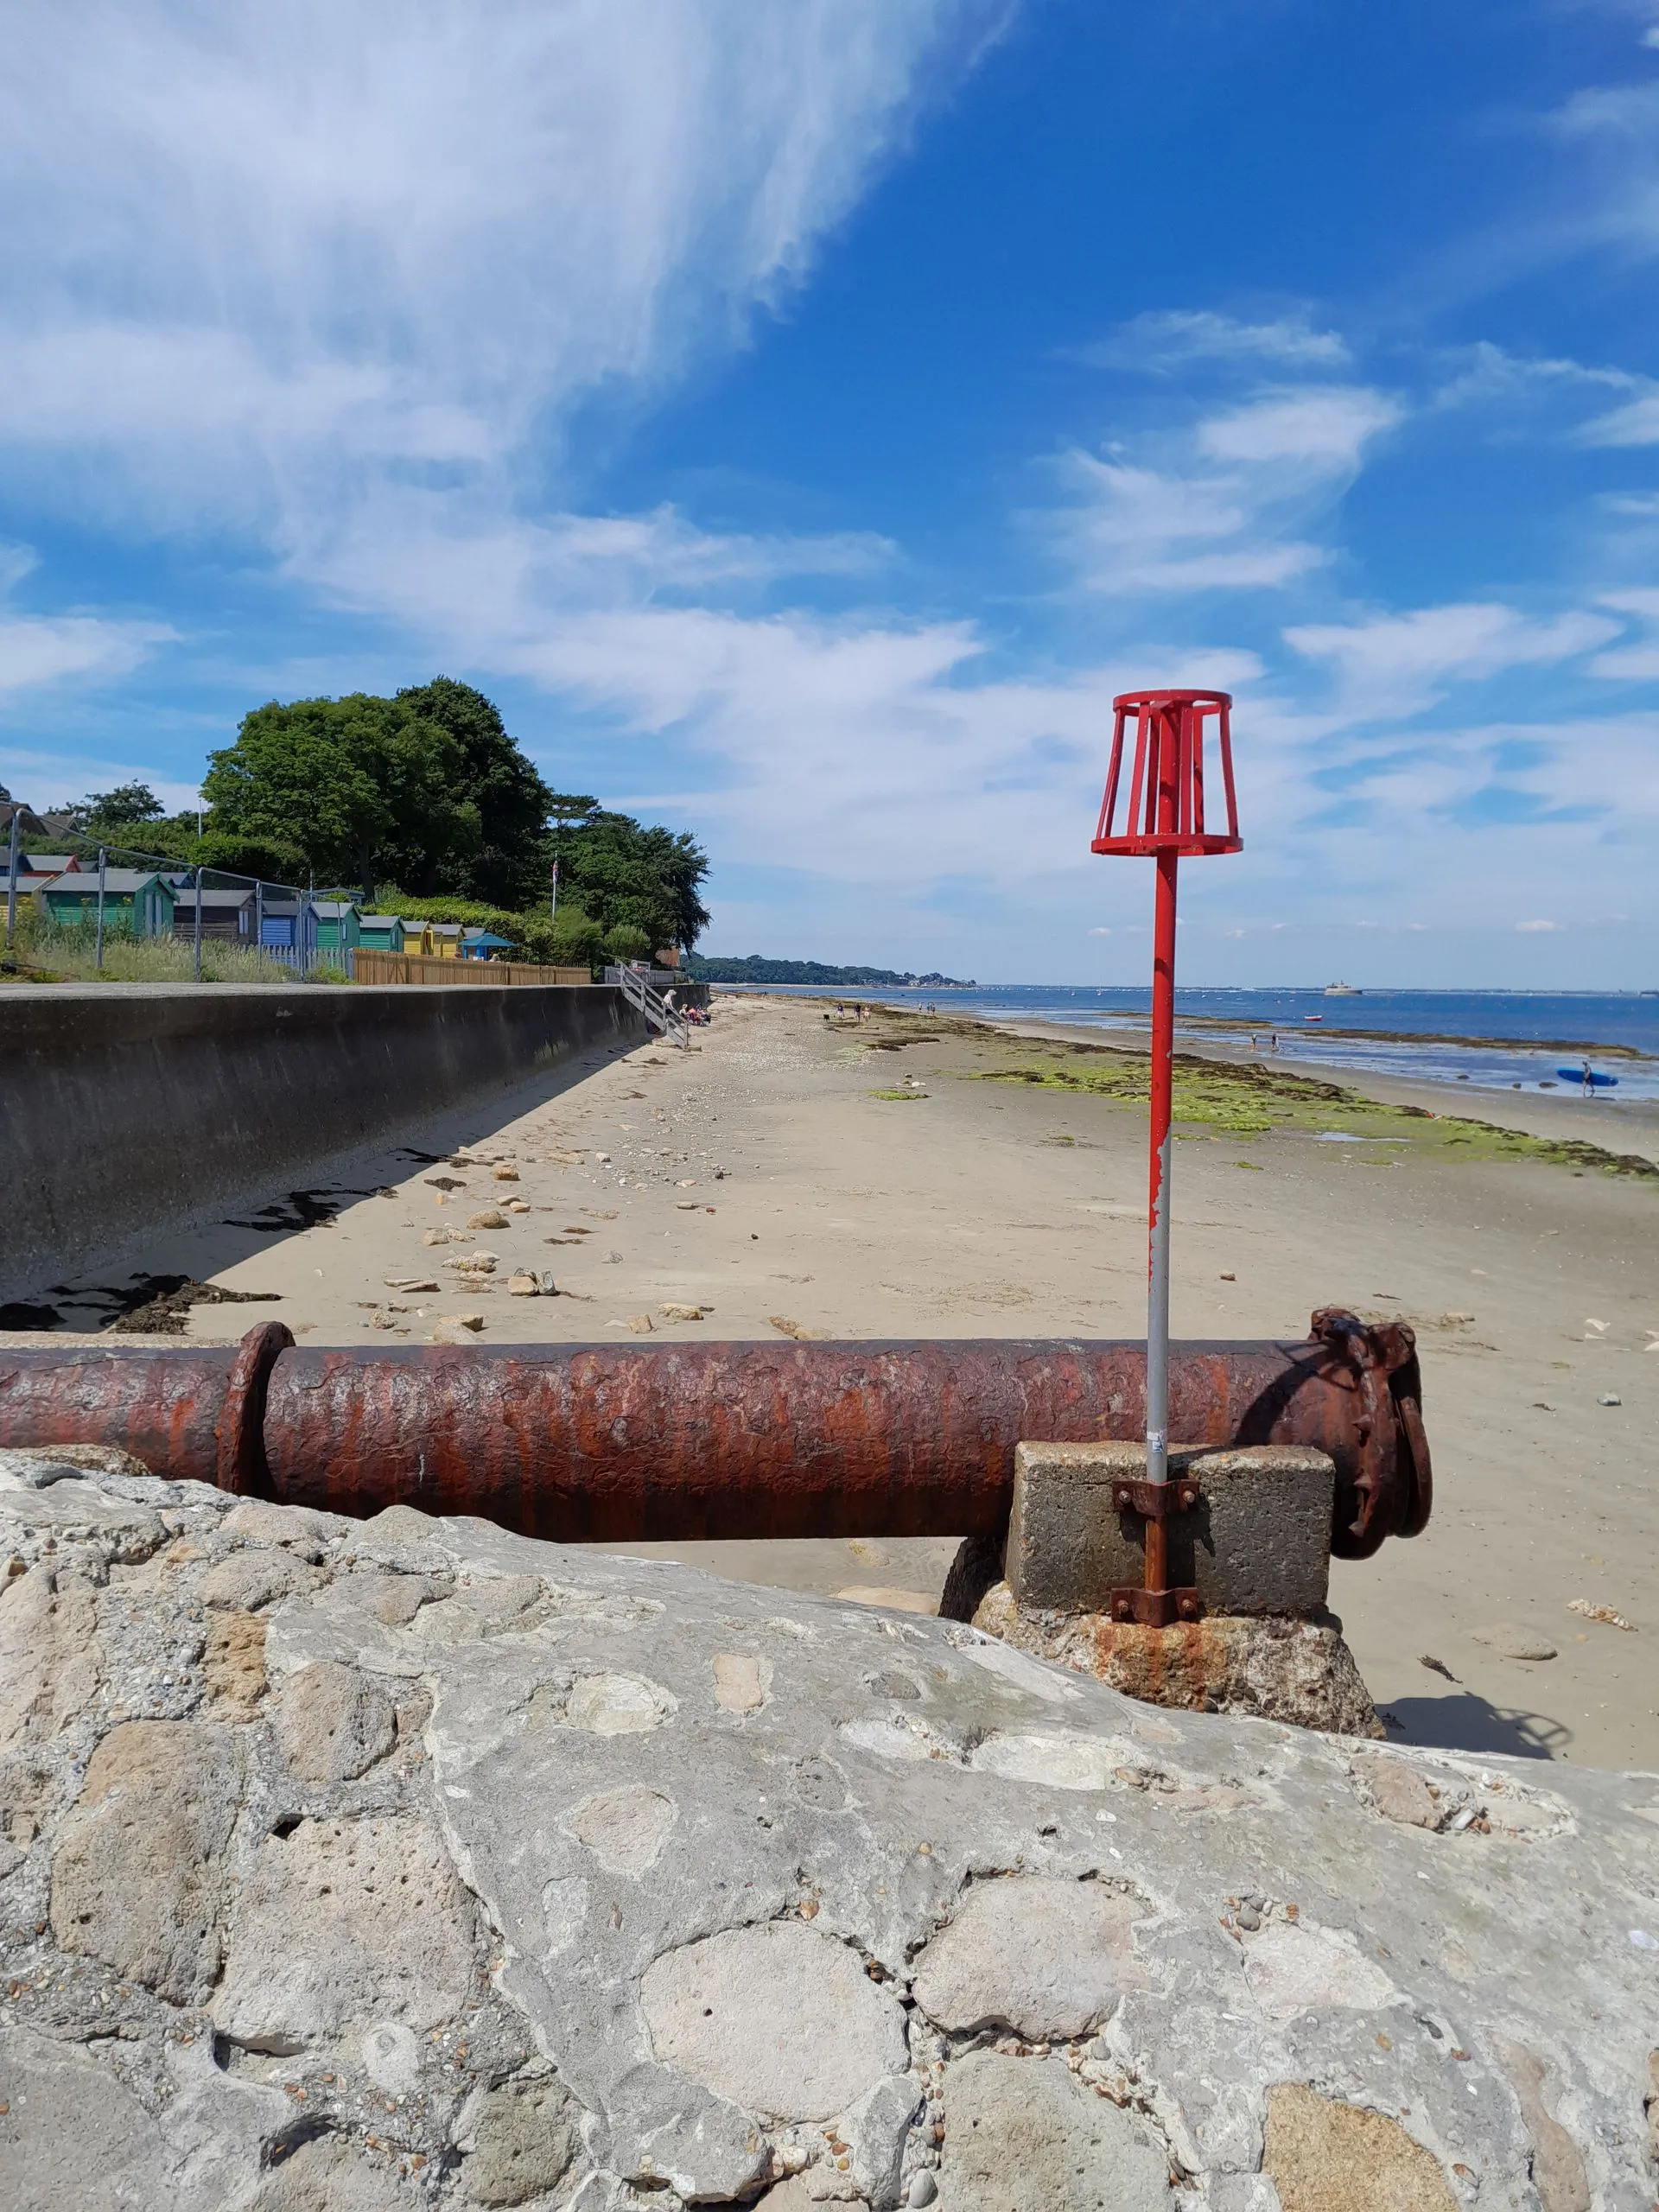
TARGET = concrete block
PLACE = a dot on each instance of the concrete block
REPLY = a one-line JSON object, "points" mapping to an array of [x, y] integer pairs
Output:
{"points": [[1259, 1542]]}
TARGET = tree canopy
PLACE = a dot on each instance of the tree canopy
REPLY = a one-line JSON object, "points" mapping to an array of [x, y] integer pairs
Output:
{"points": [[363, 787], [507, 866], [428, 792], [623, 876]]}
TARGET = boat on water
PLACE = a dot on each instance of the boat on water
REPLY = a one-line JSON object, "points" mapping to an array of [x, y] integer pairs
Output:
{"points": [[1344, 991]]}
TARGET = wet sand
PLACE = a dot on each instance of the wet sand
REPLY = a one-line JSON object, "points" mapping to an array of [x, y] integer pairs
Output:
{"points": [[759, 1178]]}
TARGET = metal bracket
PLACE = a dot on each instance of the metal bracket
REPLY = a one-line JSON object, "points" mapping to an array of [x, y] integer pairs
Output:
{"points": [[1156, 1501], [1156, 1608]]}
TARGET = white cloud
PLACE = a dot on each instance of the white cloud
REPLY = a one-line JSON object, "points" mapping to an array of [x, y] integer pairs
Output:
{"points": [[252, 255], [1131, 528], [1328, 426], [1538, 929], [1638, 424], [36, 650], [1222, 507], [1398, 663], [1165, 341], [1638, 661]]}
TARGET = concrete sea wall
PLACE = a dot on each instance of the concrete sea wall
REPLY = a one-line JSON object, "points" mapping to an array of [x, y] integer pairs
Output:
{"points": [[122, 1108]]}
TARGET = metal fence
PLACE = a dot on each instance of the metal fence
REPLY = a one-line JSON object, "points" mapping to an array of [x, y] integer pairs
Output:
{"points": [[279, 923]]}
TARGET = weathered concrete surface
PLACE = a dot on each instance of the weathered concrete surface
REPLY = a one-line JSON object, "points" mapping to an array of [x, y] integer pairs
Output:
{"points": [[480, 1871], [1258, 1542], [125, 1107], [1270, 1668]]}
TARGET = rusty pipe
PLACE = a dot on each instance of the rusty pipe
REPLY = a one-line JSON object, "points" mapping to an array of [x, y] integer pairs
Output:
{"points": [[605, 1443]]}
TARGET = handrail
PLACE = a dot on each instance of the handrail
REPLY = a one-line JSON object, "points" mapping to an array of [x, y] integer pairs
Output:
{"points": [[660, 1016]]}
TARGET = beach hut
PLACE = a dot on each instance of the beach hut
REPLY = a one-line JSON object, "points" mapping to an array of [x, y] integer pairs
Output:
{"points": [[137, 897], [228, 915], [381, 934], [339, 923], [279, 923], [446, 939], [483, 944]]}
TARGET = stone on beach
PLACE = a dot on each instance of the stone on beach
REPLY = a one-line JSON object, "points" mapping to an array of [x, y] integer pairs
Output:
{"points": [[1512, 1642], [456, 1328]]}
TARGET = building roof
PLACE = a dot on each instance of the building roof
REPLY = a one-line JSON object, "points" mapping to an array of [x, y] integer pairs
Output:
{"points": [[383, 921], [29, 824], [118, 882], [443, 929], [332, 909], [36, 863], [213, 896], [483, 937]]}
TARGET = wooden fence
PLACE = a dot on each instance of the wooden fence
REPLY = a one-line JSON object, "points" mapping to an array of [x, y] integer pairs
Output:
{"points": [[372, 966]]}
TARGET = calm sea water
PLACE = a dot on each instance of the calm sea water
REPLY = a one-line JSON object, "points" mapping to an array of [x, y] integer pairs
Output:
{"points": [[1524, 1035]]}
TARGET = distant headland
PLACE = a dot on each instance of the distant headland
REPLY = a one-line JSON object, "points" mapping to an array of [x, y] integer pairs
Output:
{"points": [[701, 968]]}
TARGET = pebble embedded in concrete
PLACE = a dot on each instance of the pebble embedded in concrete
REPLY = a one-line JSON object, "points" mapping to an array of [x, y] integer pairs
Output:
{"points": [[1047, 1959], [777, 2019]]}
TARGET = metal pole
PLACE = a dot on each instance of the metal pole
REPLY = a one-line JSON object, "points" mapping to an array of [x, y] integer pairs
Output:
{"points": [[259, 917], [1161, 1088], [1163, 1041], [12, 885], [198, 925], [103, 856]]}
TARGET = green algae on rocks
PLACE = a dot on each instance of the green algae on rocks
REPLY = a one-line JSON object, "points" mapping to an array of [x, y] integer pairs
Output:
{"points": [[1226, 1099]]}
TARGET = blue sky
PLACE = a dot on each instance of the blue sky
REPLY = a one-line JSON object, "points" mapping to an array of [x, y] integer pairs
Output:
{"points": [[803, 418]]}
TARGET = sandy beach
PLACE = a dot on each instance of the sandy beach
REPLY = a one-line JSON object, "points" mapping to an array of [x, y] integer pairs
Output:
{"points": [[765, 1177]]}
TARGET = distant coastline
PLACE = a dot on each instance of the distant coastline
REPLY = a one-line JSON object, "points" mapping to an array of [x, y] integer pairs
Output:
{"points": [[705, 968]]}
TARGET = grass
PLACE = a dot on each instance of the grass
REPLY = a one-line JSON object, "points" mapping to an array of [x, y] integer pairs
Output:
{"points": [[46, 954]]}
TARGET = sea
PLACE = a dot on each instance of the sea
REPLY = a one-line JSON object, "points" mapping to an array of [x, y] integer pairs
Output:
{"points": [[1488, 1040]]}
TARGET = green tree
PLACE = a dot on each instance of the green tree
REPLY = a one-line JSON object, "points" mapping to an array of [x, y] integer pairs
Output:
{"points": [[356, 785], [627, 941], [126, 804], [622, 875], [508, 866]]}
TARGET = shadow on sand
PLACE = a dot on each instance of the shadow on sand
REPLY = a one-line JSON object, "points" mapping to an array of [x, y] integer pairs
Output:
{"points": [[1469, 1723]]}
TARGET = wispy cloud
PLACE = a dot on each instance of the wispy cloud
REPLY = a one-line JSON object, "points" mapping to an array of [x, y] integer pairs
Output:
{"points": [[1224, 505], [1327, 426], [1636, 424], [253, 256], [1396, 663], [1161, 343]]}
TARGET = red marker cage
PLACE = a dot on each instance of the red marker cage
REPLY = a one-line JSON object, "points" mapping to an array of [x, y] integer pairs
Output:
{"points": [[1164, 809]]}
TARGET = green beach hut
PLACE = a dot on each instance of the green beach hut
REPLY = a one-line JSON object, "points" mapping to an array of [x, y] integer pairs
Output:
{"points": [[380, 932], [339, 923], [135, 897]]}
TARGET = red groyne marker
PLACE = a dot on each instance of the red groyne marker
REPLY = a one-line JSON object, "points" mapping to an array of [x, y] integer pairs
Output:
{"points": [[1164, 818]]}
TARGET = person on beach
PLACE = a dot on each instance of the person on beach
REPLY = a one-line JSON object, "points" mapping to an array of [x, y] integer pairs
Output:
{"points": [[1586, 1084]]}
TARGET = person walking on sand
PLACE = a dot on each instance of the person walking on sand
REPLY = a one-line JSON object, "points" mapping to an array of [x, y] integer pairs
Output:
{"points": [[1587, 1081]]}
